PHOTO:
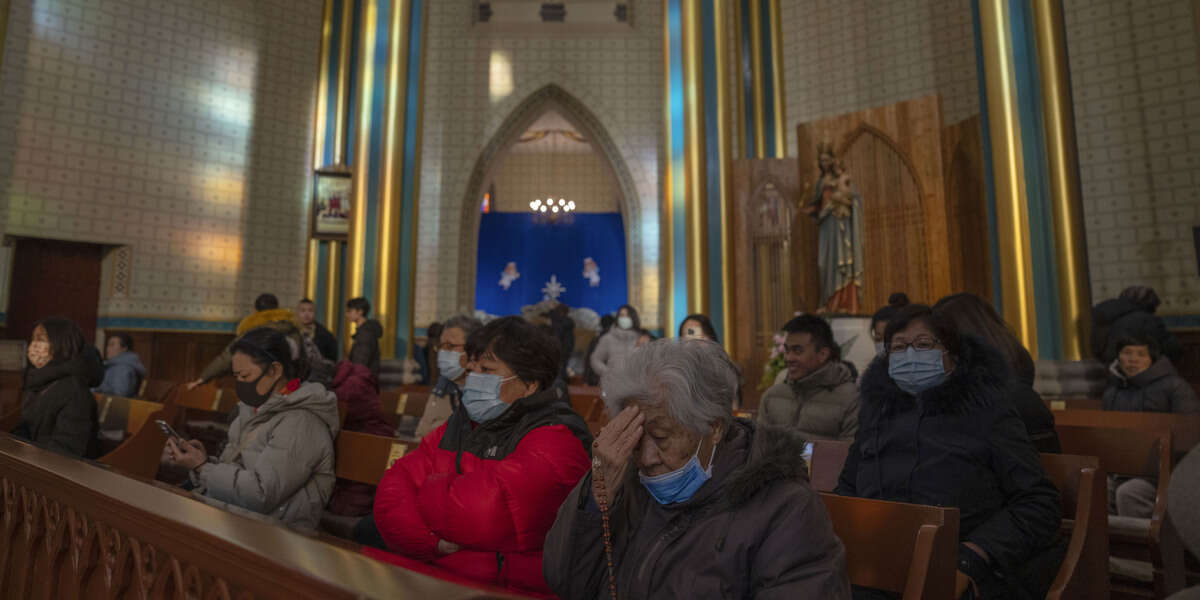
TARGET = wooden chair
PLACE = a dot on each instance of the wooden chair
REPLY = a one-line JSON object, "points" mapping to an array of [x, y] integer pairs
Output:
{"points": [[1137, 453], [828, 456], [1082, 485], [877, 535], [363, 457]]}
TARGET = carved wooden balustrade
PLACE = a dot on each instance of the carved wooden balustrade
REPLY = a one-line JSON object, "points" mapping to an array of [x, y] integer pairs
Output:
{"points": [[73, 529]]}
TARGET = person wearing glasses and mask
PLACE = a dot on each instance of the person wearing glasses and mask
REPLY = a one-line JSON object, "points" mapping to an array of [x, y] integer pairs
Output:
{"points": [[477, 497], [452, 372], [279, 458], [936, 427]]}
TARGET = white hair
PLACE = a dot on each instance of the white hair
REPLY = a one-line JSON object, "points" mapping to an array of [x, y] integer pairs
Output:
{"points": [[695, 378]]}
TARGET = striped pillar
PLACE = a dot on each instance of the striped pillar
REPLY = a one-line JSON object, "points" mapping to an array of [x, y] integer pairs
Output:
{"points": [[761, 121], [698, 146], [1033, 189], [368, 120]]}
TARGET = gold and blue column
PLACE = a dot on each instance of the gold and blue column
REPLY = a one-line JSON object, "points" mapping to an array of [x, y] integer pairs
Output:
{"points": [[697, 147], [1038, 253], [761, 122], [370, 94]]}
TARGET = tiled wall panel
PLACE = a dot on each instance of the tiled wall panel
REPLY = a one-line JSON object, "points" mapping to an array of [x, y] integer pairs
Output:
{"points": [[181, 129]]}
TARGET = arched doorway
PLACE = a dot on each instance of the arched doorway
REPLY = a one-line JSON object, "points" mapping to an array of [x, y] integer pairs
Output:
{"points": [[551, 98]]}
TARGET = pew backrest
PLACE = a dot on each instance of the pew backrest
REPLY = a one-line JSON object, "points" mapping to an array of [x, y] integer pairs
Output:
{"points": [[205, 397], [1082, 485], [1184, 428], [878, 534], [157, 390], [406, 401], [363, 458], [828, 457]]}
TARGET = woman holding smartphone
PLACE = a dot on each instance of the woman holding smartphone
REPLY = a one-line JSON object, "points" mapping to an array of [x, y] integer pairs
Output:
{"points": [[279, 458]]}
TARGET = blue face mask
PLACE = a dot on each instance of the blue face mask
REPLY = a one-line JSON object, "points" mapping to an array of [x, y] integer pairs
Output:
{"points": [[681, 484], [448, 363], [917, 370], [481, 396]]}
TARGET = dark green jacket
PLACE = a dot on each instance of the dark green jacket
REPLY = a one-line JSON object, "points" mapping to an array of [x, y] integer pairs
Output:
{"points": [[59, 411]]}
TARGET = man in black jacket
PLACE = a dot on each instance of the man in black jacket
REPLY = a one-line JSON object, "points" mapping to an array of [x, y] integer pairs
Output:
{"points": [[306, 315], [365, 350]]}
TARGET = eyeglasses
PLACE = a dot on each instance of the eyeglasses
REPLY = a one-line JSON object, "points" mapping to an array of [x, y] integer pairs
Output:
{"points": [[452, 347], [921, 343]]}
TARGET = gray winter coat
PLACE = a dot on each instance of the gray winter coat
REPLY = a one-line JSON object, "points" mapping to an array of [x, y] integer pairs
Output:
{"points": [[1157, 389], [279, 459], [755, 530], [821, 406], [123, 375], [612, 348]]}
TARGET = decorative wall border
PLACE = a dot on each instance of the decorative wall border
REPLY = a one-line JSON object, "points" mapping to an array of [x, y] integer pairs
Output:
{"points": [[162, 324]]}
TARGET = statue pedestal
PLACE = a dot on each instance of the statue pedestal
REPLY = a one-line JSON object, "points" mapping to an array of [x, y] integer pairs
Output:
{"points": [[853, 334]]}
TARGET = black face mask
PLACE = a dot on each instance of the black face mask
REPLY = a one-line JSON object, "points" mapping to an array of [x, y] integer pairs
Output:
{"points": [[247, 392]]}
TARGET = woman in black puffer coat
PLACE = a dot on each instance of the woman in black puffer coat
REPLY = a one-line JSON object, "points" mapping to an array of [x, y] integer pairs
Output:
{"points": [[936, 427], [59, 411]]}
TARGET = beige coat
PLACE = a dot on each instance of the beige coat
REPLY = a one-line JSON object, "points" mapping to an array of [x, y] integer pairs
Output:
{"points": [[821, 406]]}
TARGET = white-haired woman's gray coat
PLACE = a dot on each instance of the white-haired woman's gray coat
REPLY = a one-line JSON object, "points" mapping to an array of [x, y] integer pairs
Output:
{"points": [[279, 459]]}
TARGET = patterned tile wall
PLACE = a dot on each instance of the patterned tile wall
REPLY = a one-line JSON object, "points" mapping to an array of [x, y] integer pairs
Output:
{"points": [[473, 83], [1136, 85], [841, 56], [181, 129], [583, 177]]}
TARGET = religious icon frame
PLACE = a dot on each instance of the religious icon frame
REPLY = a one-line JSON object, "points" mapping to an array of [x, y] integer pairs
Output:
{"points": [[332, 205]]}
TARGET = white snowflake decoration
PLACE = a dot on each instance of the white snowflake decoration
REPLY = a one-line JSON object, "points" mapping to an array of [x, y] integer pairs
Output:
{"points": [[553, 289]]}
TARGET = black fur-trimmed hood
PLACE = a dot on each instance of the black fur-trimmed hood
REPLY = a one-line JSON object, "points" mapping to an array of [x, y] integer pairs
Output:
{"points": [[775, 454], [979, 380]]}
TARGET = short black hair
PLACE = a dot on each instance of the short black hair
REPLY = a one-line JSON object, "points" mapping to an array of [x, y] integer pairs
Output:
{"points": [[606, 322], [942, 326], [265, 345], [360, 304], [819, 330], [706, 326], [306, 301], [66, 338], [266, 302], [896, 302], [126, 340], [1140, 340], [530, 351]]}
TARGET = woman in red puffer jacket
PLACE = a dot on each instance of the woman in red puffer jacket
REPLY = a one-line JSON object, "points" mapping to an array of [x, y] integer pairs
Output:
{"points": [[480, 493]]}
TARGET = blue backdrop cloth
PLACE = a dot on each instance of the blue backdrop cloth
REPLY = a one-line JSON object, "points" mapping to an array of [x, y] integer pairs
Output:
{"points": [[542, 250]]}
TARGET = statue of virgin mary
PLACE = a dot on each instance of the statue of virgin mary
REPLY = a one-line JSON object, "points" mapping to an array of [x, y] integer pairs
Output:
{"points": [[838, 211]]}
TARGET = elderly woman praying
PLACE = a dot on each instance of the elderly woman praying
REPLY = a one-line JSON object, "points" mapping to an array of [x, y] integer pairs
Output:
{"points": [[685, 501]]}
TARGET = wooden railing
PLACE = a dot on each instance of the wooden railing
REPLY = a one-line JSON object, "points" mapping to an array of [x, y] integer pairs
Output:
{"points": [[73, 529]]}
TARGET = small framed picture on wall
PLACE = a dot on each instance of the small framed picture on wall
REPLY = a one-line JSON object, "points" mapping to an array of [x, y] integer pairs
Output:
{"points": [[331, 207]]}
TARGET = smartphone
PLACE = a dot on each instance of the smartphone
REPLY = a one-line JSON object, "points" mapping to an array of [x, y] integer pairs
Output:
{"points": [[168, 430]]}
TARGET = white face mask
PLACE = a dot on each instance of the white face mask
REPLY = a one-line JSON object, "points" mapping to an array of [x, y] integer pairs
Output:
{"points": [[625, 322]]}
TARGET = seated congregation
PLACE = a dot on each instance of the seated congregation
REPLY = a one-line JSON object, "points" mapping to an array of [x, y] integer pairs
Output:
{"points": [[938, 472]]}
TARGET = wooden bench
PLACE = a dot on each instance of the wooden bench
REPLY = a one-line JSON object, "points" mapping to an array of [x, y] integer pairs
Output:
{"points": [[1082, 485], [157, 390], [825, 469], [1184, 428], [88, 532], [364, 458], [141, 451], [404, 404], [878, 535], [205, 397], [1073, 402], [1136, 453]]}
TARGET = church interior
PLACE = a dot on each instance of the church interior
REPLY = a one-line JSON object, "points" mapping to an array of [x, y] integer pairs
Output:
{"points": [[600, 299]]}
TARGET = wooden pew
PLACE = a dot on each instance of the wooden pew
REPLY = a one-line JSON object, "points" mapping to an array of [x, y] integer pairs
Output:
{"points": [[405, 401], [879, 534], [111, 535], [141, 451], [1083, 488], [157, 390], [1073, 402], [205, 397], [827, 459], [1184, 428], [363, 457], [1138, 453]]}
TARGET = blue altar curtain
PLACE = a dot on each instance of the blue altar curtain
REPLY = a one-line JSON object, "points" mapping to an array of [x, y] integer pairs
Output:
{"points": [[545, 249]]}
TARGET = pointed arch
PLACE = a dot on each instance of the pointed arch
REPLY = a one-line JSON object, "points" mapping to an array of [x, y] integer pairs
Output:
{"points": [[549, 97]]}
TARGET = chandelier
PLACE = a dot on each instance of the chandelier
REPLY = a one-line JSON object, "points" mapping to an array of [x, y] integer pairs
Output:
{"points": [[549, 205]]}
